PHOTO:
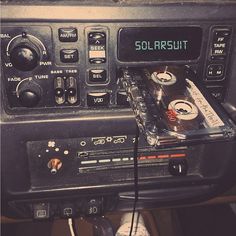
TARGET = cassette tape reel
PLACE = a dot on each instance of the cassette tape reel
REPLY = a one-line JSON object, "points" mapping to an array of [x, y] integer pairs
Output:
{"points": [[166, 81], [182, 115], [170, 108]]}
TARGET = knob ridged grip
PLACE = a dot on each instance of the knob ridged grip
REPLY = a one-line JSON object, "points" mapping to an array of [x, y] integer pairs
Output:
{"points": [[24, 57], [29, 93]]}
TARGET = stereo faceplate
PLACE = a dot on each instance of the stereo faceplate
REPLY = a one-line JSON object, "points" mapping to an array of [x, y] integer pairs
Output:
{"points": [[76, 65]]}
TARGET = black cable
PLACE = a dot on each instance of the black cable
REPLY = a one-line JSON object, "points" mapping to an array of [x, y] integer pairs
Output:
{"points": [[135, 154]]}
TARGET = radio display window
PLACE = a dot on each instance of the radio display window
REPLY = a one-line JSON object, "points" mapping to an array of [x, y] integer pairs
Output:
{"points": [[159, 43]]}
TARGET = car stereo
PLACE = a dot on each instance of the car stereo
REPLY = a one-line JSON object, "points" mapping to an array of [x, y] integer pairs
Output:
{"points": [[76, 87], [65, 65]]}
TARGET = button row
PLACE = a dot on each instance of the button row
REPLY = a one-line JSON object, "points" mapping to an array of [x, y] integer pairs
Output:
{"points": [[218, 54], [68, 35], [220, 43], [96, 46], [105, 161], [215, 70], [65, 90], [88, 207]]}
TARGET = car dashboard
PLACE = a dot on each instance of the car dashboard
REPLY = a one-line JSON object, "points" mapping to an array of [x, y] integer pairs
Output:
{"points": [[80, 91]]}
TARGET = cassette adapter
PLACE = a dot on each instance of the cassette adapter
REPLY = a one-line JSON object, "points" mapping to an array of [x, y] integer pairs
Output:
{"points": [[171, 108]]}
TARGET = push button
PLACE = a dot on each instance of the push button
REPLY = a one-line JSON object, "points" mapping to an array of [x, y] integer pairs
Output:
{"points": [[97, 60], [69, 55], [98, 99], [67, 210], [59, 90], [220, 43], [68, 34], [97, 76], [93, 207], [219, 50], [97, 38], [71, 90], [97, 47], [221, 36], [41, 211]]}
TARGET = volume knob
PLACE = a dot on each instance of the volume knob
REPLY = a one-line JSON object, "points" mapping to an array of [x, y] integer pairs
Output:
{"points": [[29, 93], [24, 57]]}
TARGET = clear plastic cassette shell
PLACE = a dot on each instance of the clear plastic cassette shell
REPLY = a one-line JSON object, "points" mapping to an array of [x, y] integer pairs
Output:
{"points": [[171, 108]]}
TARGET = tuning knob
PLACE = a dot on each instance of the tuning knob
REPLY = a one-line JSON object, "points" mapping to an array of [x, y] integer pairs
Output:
{"points": [[24, 57], [29, 93]]}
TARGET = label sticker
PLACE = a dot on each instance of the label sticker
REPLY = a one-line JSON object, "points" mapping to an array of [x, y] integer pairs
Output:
{"points": [[211, 117]]}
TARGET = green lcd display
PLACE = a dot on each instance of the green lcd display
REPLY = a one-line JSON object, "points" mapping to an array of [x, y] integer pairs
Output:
{"points": [[159, 43]]}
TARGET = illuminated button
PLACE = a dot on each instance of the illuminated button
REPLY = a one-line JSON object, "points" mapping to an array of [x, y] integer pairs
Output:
{"points": [[98, 99], [220, 43], [97, 47], [88, 162], [97, 76], [67, 210], [41, 211], [219, 51], [68, 34], [93, 207], [104, 161], [97, 38], [69, 55]]}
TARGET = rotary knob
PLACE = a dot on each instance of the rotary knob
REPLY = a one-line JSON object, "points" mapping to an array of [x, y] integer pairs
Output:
{"points": [[29, 93], [24, 57]]}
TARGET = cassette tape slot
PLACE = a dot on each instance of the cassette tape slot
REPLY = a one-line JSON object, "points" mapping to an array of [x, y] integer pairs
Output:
{"points": [[170, 108]]}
